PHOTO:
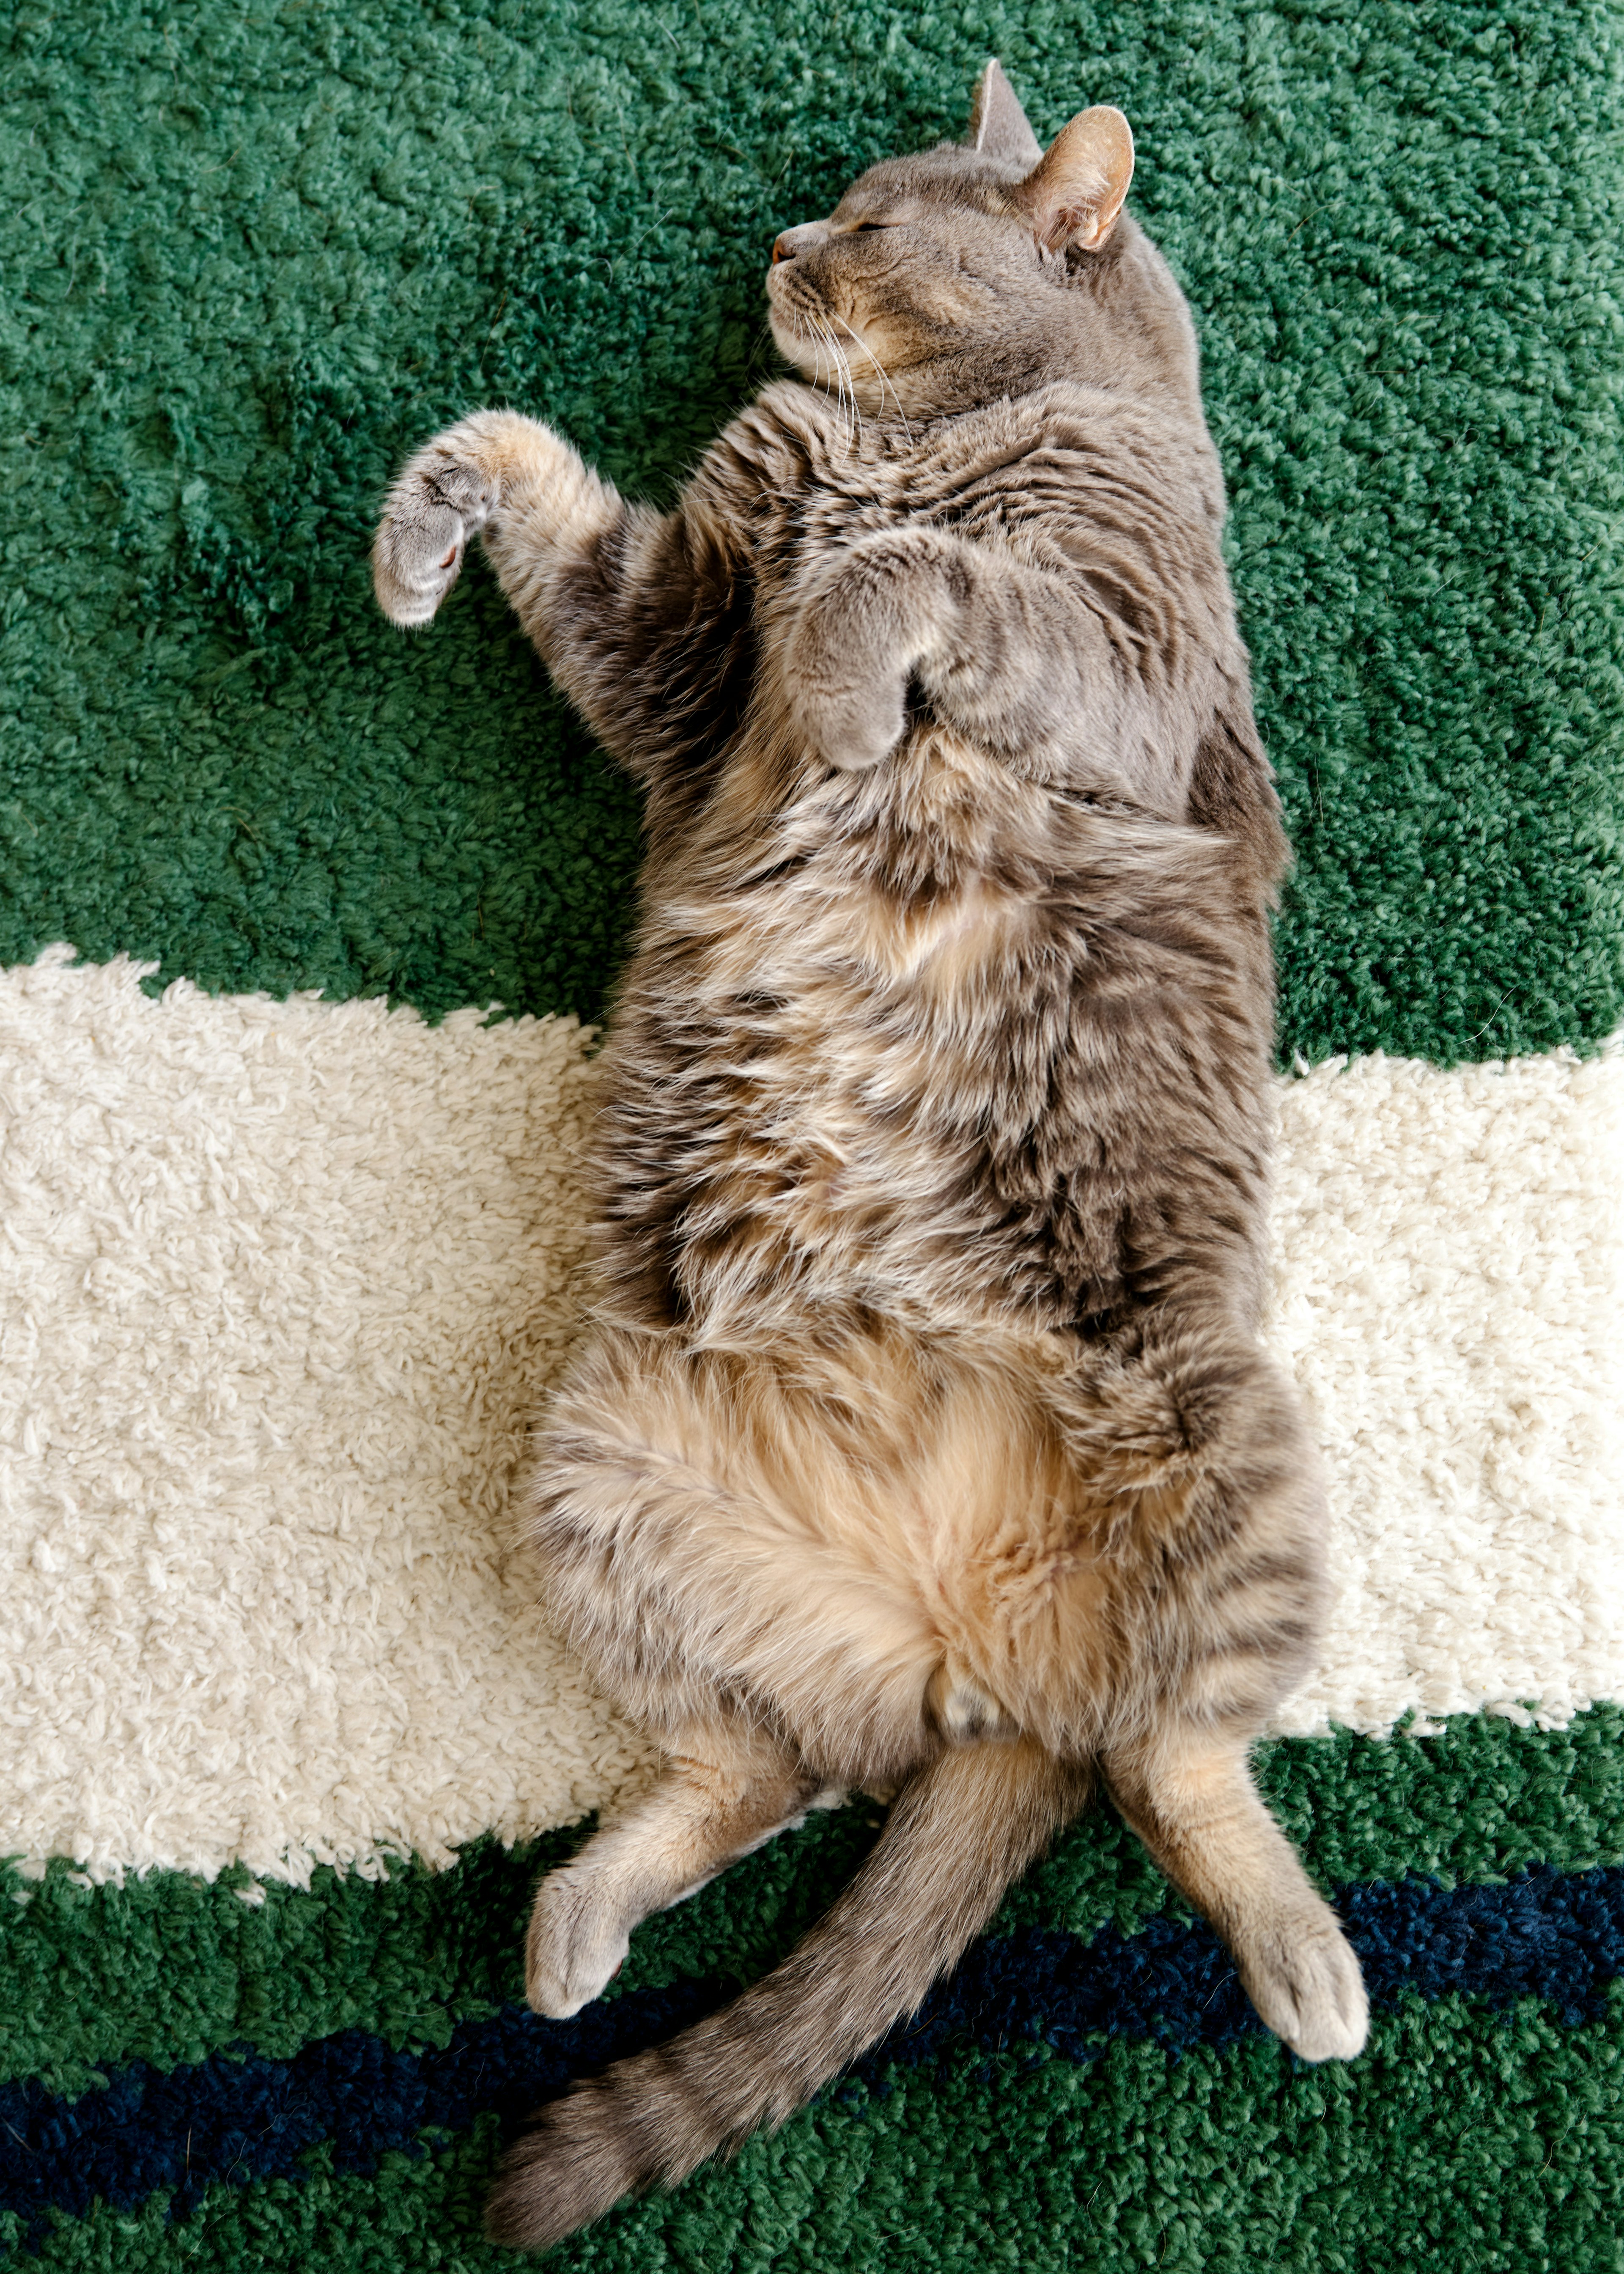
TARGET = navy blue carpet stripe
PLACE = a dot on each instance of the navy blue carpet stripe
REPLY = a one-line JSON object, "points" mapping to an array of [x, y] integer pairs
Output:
{"points": [[1555, 1936]]}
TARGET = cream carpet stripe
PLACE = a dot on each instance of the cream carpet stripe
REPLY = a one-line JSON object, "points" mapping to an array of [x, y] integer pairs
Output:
{"points": [[1449, 1292], [280, 1284]]}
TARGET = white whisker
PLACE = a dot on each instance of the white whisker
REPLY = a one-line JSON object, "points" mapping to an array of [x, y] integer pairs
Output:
{"points": [[844, 382], [815, 330], [885, 378]]}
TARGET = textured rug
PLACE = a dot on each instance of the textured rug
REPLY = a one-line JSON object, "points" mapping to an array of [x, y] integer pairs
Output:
{"points": [[291, 1217]]}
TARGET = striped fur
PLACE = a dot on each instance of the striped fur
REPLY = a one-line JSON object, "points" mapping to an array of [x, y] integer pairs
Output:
{"points": [[924, 1442]]}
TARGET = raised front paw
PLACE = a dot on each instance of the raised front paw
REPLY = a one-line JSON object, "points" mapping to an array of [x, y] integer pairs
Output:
{"points": [[853, 726], [444, 495]]}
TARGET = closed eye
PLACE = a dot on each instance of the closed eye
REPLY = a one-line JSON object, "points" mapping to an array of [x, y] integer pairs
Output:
{"points": [[872, 225]]}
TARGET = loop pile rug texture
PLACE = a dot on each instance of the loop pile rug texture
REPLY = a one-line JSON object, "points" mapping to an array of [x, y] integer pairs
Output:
{"points": [[304, 927]]}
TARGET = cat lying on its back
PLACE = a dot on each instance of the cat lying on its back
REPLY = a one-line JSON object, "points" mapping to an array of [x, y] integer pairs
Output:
{"points": [[922, 1440]]}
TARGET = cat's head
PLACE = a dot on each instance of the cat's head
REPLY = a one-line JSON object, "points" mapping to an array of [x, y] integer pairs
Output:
{"points": [[982, 268]]}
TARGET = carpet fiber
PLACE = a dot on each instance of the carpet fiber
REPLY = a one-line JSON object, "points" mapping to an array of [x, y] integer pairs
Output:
{"points": [[292, 1225]]}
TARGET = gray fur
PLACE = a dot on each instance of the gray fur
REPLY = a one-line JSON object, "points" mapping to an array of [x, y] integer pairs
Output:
{"points": [[922, 1442]]}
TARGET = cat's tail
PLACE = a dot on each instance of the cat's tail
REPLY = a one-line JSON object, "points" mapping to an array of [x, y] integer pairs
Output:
{"points": [[958, 1833]]}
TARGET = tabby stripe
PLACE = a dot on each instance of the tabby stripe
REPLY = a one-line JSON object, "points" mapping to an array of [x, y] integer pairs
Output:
{"points": [[284, 1281], [1554, 1938]]}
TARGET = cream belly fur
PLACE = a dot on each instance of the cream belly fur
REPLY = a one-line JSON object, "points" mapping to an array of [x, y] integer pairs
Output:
{"points": [[881, 1543], [879, 1531]]}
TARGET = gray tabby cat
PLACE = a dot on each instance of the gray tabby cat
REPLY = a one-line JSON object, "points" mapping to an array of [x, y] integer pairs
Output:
{"points": [[922, 1442]]}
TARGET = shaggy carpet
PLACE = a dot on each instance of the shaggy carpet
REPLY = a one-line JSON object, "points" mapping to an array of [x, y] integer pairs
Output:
{"points": [[291, 1216]]}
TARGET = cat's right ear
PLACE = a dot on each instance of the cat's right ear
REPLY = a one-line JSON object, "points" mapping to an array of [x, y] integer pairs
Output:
{"points": [[1075, 193], [998, 127]]}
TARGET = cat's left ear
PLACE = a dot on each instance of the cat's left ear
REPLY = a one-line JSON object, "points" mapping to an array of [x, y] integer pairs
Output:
{"points": [[1075, 191], [998, 127]]}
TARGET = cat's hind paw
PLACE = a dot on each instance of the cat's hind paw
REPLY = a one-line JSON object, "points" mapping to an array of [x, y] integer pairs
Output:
{"points": [[1307, 1987], [440, 500], [577, 1942]]}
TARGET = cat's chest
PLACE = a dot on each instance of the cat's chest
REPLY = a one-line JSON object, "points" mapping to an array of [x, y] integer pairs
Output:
{"points": [[800, 533], [881, 967], [901, 966], [1047, 473]]}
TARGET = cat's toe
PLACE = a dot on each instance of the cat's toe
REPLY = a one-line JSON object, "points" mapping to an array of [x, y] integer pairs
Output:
{"points": [[576, 1946], [1310, 1992]]}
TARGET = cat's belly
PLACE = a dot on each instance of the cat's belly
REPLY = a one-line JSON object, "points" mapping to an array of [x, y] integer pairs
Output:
{"points": [[847, 1041], [871, 1533]]}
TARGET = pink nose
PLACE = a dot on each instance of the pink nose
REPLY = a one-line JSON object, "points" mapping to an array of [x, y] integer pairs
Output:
{"points": [[792, 241]]}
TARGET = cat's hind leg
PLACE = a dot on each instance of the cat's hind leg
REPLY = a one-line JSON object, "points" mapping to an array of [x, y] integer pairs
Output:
{"points": [[724, 1795], [1189, 1794]]}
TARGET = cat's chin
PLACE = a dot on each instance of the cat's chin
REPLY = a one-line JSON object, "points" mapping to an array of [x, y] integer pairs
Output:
{"points": [[796, 349]]}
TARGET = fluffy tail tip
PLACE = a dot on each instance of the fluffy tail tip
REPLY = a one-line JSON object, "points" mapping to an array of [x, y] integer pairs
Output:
{"points": [[567, 2171]]}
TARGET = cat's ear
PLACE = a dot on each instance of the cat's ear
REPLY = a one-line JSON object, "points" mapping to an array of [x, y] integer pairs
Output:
{"points": [[1075, 192], [998, 127]]}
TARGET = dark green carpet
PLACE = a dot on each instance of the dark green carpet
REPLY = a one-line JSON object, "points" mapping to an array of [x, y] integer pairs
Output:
{"points": [[1472, 2141], [1476, 2131], [252, 257]]}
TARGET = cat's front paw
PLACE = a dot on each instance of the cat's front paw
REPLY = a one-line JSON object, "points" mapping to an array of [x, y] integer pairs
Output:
{"points": [[443, 497], [852, 652], [852, 727]]}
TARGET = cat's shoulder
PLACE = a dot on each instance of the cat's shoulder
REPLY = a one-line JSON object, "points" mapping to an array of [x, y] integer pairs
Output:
{"points": [[1071, 414]]}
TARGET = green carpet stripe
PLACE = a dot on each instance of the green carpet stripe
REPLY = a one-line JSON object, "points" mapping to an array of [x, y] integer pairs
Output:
{"points": [[1463, 2139], [169, 1970], [1553, 1937], [253, 257]]}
